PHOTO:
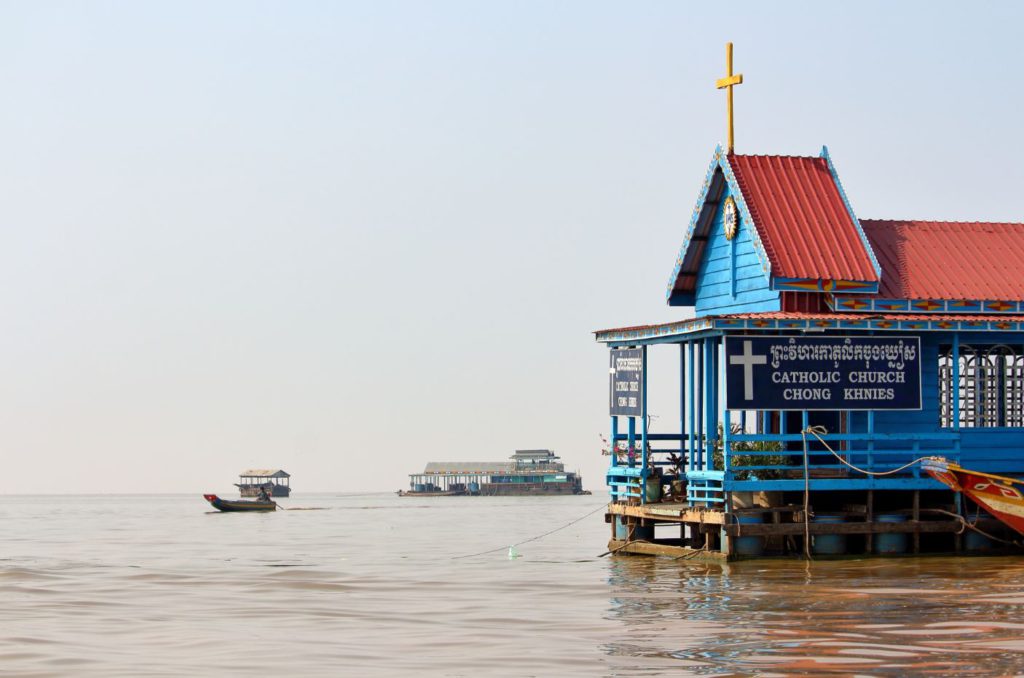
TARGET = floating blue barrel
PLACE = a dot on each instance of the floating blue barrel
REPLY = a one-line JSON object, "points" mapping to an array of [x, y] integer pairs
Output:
{"points": [[895, 542], [474, 487], [749, 546], [419, 487], [639, 532], [828, 544], [973, 541]]}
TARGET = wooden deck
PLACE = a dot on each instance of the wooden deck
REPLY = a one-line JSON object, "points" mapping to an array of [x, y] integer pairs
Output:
{"points": [[711, 531]]}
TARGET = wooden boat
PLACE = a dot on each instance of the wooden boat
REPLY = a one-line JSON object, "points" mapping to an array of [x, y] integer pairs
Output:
{"points": [[239, 505], [999, 495]]}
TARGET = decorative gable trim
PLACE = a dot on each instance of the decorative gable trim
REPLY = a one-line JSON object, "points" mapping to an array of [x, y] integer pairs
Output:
{"points": [[918, 306], [849, 209], [685, 265], [816, 285]]}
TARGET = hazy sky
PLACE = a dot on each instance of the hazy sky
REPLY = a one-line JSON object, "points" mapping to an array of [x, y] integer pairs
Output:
{"points": [[349, 238]]}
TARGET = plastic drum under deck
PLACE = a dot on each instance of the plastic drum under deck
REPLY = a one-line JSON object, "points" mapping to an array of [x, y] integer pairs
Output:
{"points": [[891, 542], [748, 546], [639, 531], [828, 544]]}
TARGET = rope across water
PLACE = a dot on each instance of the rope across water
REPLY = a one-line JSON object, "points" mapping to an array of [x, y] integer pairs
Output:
{"points": [[539, 536]]}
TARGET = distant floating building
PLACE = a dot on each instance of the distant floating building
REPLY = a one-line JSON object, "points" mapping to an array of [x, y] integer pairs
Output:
{"points": [[530, 472], [277, 482]]}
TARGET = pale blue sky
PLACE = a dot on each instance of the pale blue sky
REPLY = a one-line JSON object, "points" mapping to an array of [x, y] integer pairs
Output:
{"points": [[347, 239]]}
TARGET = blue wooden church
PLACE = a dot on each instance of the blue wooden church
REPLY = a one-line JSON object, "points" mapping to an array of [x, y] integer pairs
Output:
{"points": [[826, 355]]}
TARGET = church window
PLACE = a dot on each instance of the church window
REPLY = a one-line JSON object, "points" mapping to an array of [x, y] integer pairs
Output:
{"points": [[990, 388]]}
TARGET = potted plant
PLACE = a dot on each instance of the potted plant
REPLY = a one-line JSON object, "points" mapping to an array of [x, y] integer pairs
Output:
{"points": [[678, 483], [739, 460]]}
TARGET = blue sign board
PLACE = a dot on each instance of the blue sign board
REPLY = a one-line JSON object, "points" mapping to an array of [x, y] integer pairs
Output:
{"points": [[823, 373], [626, 393]]}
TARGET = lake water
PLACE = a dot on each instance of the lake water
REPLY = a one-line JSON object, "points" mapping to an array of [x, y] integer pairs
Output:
{"points": [[372, 585]]}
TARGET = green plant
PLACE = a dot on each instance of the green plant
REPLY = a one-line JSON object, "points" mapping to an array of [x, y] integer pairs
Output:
{"points": [[676, 469], [739, 460]]}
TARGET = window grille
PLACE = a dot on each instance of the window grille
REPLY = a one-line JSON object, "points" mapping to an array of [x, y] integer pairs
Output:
{"points": [[990, 388]]}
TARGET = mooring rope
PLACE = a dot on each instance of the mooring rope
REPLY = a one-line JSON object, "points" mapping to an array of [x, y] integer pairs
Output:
{"points": [[816, 430], [807, 498], [965, 524], [527, 541]]}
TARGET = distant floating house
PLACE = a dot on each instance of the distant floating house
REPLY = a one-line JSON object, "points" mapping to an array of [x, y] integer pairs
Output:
{"points": [[529, 472], [277, 481]]}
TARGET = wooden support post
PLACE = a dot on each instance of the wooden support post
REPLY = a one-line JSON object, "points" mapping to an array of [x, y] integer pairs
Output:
{"points": [[955, 386], [917, 517], [644, 470], [958, 508], [682, 410], [776, 519], [698, 451], [691, 416], [870, 517]]}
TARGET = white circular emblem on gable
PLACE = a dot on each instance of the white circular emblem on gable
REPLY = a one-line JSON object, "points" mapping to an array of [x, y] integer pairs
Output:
{"points": [[730, 220]]}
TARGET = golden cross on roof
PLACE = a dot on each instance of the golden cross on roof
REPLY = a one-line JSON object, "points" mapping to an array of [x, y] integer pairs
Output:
{"points": [[728, 82]]}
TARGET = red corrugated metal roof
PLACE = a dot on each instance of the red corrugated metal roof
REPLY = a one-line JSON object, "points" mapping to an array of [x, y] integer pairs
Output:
{"points": [[799, 211], [948, 259]]}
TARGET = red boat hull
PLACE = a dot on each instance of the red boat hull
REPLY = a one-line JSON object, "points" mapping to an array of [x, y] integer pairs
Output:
{"points": [[999, 495]]}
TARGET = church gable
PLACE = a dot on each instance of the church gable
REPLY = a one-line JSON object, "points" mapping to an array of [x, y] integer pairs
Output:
{"points": [[799, 228]]}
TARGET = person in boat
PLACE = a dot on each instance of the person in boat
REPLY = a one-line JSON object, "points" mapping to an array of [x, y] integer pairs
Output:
{"points": [[263, 495]]}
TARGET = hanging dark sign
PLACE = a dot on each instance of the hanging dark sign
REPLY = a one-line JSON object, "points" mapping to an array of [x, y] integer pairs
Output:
{"points": [[626, 393], [823, 373]]}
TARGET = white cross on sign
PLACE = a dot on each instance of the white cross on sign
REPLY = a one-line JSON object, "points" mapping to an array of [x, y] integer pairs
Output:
{"points": [[748, 360]]}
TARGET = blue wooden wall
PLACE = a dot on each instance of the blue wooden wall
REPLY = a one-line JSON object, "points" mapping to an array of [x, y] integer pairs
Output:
{"points": [[995, 450], [730, 278]]}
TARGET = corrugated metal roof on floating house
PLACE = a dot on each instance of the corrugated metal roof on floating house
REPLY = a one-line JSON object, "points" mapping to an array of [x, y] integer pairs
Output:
{"points": [[948, 260], [804, 223], [467, 467], [264, 473], [534, 454]]}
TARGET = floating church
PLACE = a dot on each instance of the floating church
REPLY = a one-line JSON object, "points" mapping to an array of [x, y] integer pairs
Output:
{"points": [[828, 361]]}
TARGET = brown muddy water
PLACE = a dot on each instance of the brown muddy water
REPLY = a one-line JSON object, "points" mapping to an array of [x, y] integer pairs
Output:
{"points": [[370, 586]]}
